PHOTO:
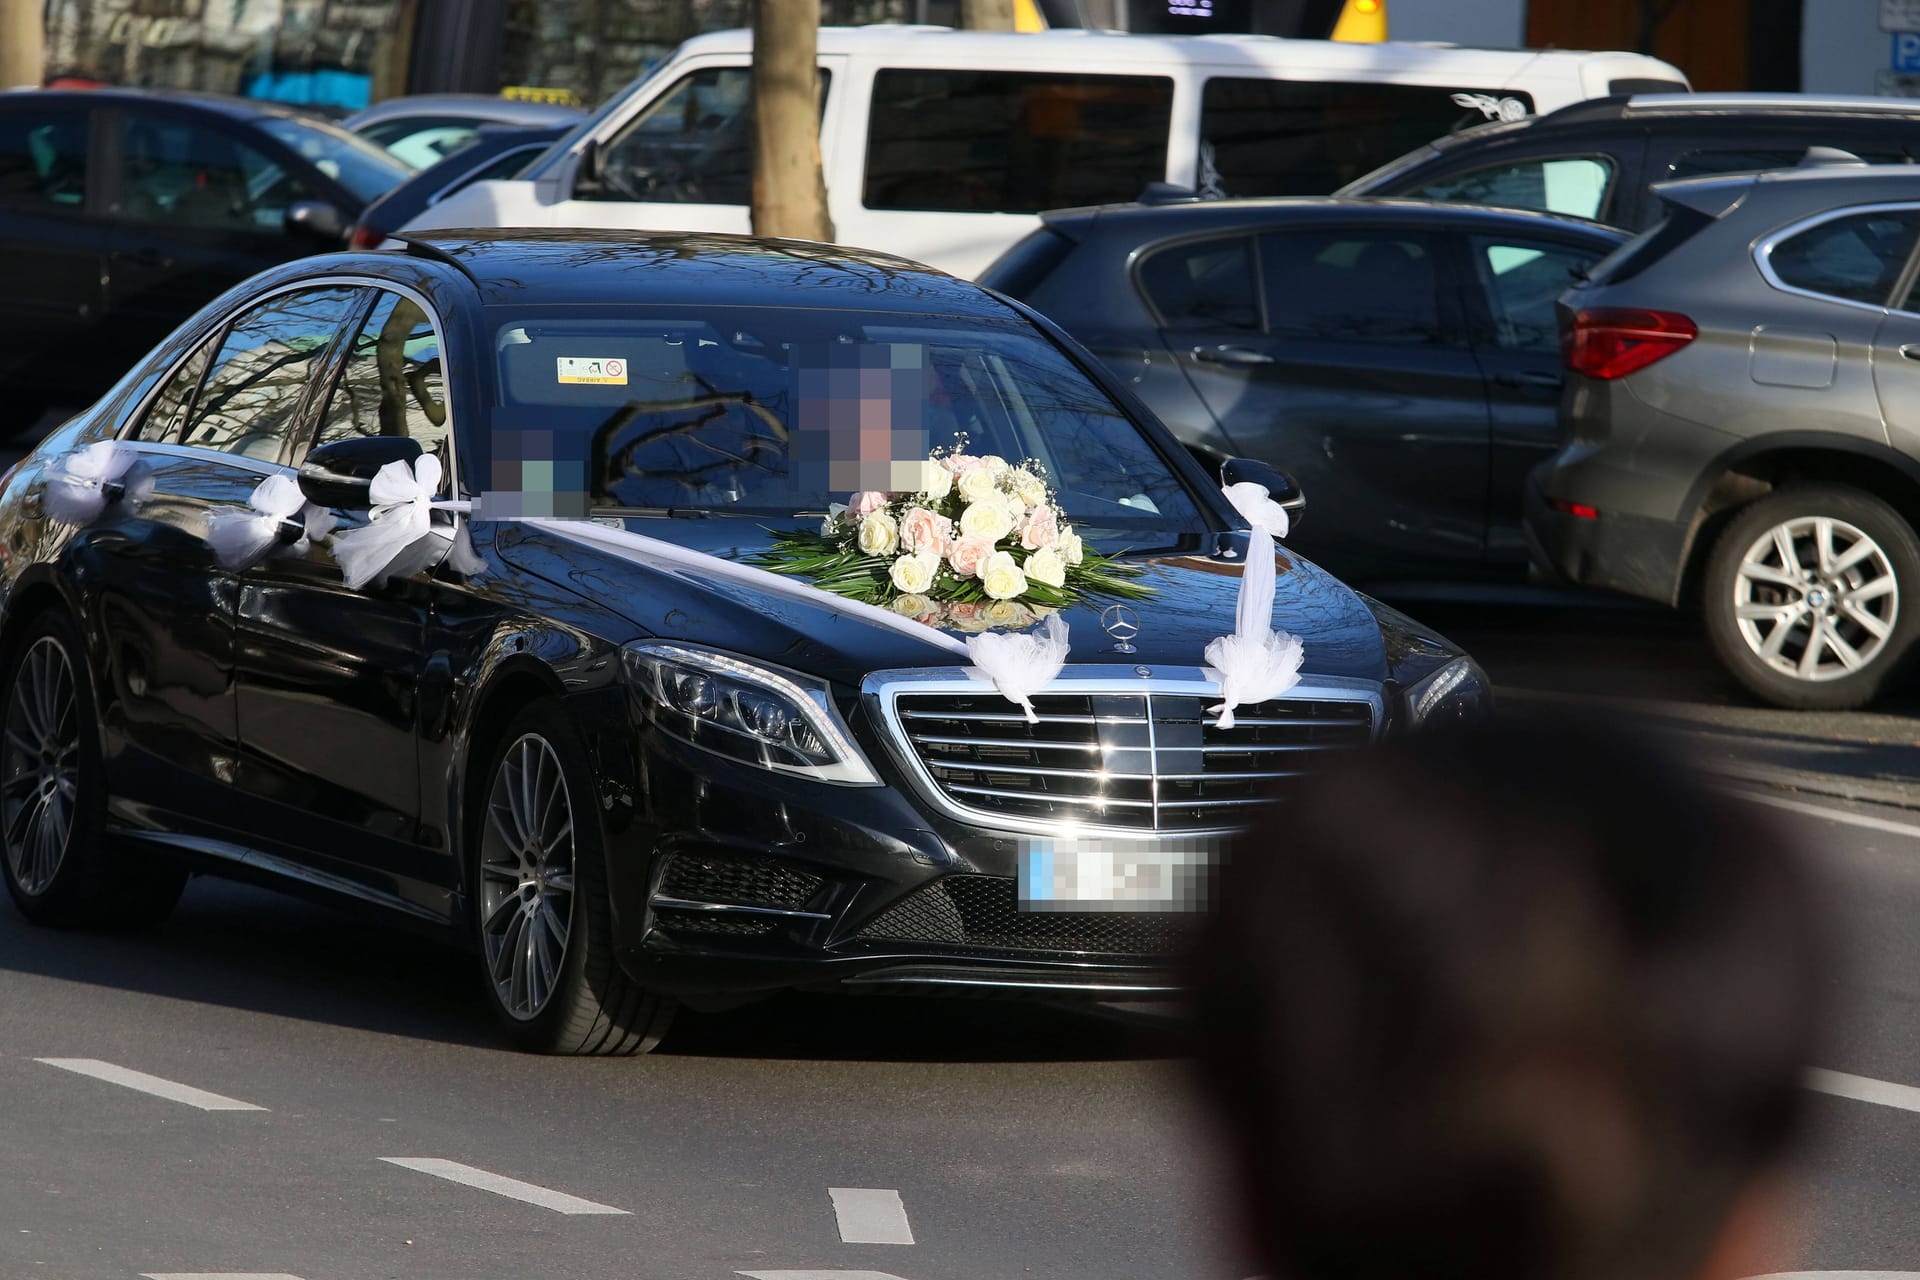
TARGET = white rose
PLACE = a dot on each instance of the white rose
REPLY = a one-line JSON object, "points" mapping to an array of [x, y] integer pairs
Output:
{"points": [[1070, 549], [1046, 566], [989, 519], [879, 535], [914, 574], [1029, 488], [935, 480], [978, 484], [911, 606], [1006, 613], [996, 464], [1001, 578]]}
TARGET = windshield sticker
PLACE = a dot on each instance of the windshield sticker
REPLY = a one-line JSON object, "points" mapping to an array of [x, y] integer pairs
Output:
{"points": [[594, 372]]}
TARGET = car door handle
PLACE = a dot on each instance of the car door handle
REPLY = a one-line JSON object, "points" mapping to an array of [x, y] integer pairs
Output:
{"points": [[1528, 378], [1911, 351], [1229, 354]]}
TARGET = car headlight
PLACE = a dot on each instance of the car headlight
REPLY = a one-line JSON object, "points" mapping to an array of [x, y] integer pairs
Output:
{"points": [[778, 720], [1452, 696]]}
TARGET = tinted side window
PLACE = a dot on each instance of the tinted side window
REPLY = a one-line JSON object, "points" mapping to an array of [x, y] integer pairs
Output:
{"points": [[1573, 185], [43, 159], [185, 174], [1282, 138], [1856, 257], [1699, 164], [1013, 142], [393, 382], [167, 415], [693, 145], [1343, 286], [1208, 285], [261, 373], [1522, 280]]}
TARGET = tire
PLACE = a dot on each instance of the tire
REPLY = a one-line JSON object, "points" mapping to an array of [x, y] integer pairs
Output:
{"points": [[537, 865], [59, 866], [1762, 613]]}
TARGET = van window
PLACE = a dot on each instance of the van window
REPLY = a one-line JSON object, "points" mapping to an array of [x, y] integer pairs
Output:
{"points": [[1576, 186], [1013, 142], [692, 145], [1285, 138]]}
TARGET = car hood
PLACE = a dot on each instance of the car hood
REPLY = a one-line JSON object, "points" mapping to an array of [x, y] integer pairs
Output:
{"points": [[1192, 603]]}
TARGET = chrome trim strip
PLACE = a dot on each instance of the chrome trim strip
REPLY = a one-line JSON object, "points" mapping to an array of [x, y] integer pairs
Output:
{"points": [[920, 977], [881, 691], [690, 904], [280, 866], [1764, 247]]}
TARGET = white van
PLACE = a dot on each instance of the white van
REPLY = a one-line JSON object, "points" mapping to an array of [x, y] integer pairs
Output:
{"points": [[943, 145]]}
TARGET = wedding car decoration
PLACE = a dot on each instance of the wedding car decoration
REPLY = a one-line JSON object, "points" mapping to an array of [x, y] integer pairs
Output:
{"points": [[980, 530], [242, 537], [81, 483], [401, 514], [1256, 662]]}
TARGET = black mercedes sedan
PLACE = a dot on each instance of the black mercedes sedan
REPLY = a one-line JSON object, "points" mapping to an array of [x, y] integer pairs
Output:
{"points": [[567, 723]]}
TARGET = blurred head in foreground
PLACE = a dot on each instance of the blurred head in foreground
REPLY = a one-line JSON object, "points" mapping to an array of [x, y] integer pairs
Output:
{"points": [[1521, 1003]]}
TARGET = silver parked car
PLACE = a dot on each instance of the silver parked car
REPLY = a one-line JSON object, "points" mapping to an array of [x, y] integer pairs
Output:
{"points": [[1741, 425]]}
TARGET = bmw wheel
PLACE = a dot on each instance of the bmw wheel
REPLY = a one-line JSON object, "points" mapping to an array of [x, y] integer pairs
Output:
{"points": [[1812, 597], [540, 901], [58, 864]]}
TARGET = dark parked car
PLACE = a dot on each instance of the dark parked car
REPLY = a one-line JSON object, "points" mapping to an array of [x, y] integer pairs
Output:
{"points": [[497, 151], [122, 213], [620, 780], [424, 129], [1597, 159], [1743, 426], [1399, 359]]}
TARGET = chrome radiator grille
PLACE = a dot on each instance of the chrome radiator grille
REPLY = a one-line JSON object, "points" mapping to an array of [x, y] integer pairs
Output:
{"points": [[1148, 761]]}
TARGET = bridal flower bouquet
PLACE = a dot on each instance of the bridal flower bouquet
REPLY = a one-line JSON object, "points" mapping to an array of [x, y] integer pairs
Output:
{"points": [[980, 532]]}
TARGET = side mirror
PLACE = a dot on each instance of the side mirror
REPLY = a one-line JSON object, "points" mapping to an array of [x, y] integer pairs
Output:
{"points": [[317, 220], [340, 474], [1280, 486]]}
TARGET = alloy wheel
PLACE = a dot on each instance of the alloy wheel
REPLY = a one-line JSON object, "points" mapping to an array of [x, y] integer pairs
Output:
{"points": [[526, 876], [40, 766], [1815, 598]]}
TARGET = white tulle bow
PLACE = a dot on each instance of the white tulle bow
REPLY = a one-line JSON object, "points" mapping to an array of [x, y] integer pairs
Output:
{"points": [[402, 514], [242, 538], [1020, 664], [78, 483], [1256, 662]]}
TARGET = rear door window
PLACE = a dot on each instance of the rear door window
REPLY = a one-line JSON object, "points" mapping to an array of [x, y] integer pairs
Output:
{"points": [[182, 173], [1285, 138], [1206, 284], [260, 376], [43, 160], [1377, 287], [1521, 280], [1857, 257], [167, 415], [1575, 186], [1013, 141]]}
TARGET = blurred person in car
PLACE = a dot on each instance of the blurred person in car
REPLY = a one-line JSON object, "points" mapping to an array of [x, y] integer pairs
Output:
{"points": [[1519, 1003]]}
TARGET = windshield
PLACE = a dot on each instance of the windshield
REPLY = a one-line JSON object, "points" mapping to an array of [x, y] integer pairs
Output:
{"points": [[356, 164], [778, 412]]}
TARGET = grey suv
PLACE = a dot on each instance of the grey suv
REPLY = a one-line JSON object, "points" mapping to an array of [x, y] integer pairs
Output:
{"points": [[1741, 426]]}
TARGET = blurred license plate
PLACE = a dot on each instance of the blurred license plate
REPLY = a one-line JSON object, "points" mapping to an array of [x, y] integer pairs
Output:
{"points": [[1069, 875]]}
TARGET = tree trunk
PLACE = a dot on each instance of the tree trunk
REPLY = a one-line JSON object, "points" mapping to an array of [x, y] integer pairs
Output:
{"points": [[789, 191], [987, 15], [23, 43]]}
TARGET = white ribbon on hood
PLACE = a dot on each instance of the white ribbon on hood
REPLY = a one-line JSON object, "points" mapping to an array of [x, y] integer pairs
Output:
{"points": [[77, 482], [241, 538], [1020, 663], [1256, 662]]}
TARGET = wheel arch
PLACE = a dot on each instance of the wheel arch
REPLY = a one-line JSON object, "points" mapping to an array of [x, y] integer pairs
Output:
{"points": [[512, 685], [1751, 470]]}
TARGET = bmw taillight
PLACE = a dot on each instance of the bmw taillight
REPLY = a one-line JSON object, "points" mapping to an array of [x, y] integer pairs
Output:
{"points": [[1612, 342], [366, 237]]}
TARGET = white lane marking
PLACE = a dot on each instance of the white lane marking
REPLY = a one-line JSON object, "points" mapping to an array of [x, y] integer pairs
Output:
{"points": [[1831, 815], [870, 1215], [1833, 1275], [145, 1083], [1864, 1089], [817, 1275], [514, 1189], [216, 1275]]}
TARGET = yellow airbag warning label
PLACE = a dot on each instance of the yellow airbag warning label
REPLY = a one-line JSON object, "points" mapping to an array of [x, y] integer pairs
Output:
{"points": [[605, 373]]}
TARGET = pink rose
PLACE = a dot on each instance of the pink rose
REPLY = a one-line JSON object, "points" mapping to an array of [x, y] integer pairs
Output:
{"points": [[924, 530], [1043, 528], [964, 610], [961, 463], [968, 553], [865, 503]]}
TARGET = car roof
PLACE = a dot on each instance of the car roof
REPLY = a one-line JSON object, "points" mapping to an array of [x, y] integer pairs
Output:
{"points": [[478, 105], [543, 267], [1688, 109], [1153, 220], [224, 104], [1832, 183]]}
